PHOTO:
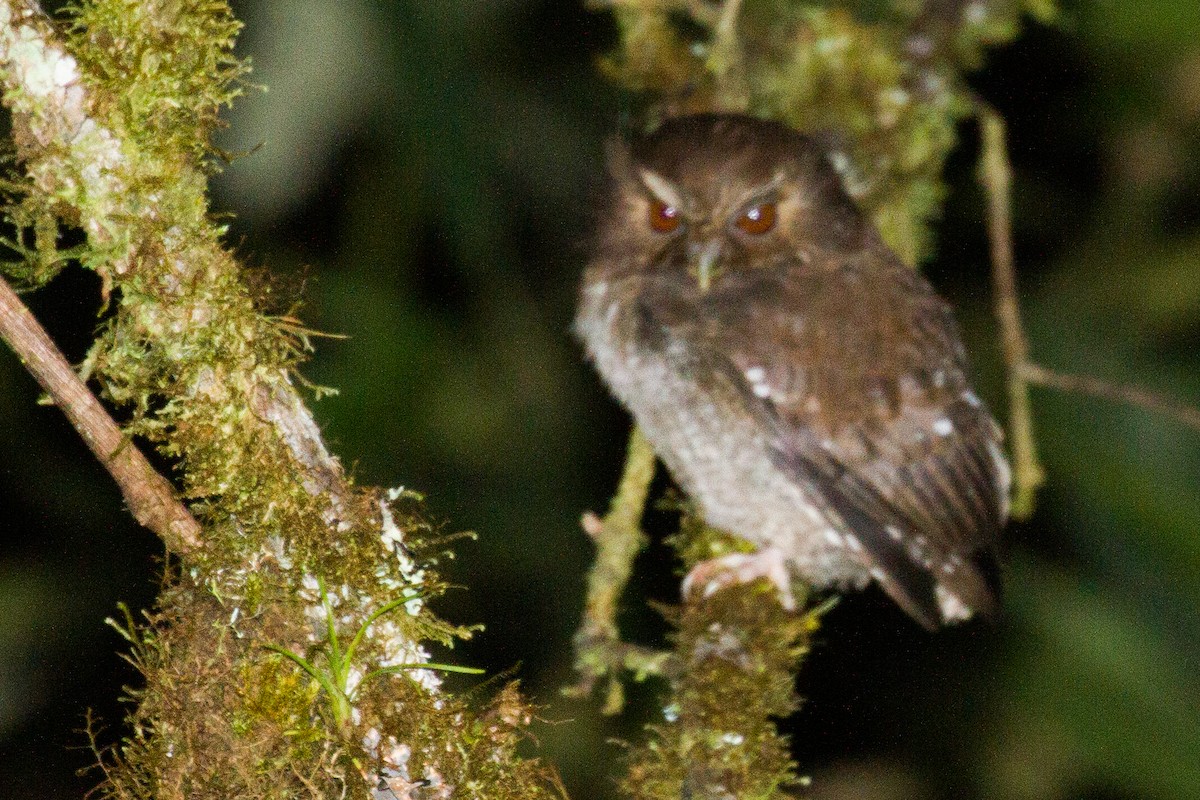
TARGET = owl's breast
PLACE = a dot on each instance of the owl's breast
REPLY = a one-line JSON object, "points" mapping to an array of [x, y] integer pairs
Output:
{"points": [[711, 444]]}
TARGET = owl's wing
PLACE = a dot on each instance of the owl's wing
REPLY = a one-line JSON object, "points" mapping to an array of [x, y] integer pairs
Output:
{"points": [[925, 515], [857, 374]]}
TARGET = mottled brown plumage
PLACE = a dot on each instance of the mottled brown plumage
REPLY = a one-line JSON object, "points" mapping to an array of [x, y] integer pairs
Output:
{"points": [[802, 385]]}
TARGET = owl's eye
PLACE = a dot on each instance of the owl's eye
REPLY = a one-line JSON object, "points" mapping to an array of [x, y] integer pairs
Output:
{"points": [[757, 220], [664, 218]]}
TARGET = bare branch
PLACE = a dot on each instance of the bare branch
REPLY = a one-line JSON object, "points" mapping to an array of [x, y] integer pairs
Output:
{"points": [[1116, 392], [150, 496]]}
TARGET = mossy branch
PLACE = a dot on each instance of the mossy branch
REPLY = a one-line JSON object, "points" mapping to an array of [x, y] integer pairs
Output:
{"points": [[112, 117], [599, 651], [738, 652]]}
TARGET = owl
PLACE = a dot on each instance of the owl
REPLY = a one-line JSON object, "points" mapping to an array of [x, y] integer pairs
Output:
{"points": [[804, 387]]}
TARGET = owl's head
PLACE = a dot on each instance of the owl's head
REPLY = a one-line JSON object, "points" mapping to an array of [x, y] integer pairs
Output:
{"points": [[717, 193]]}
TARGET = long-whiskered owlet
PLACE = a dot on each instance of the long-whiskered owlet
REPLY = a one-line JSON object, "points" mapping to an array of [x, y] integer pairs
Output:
{"points": [[804, 387]]}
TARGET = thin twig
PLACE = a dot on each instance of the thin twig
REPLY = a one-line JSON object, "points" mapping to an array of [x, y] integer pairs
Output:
{"points": [[995, 176], [1116, 392], [726, 61], [699, 10], [728, 19], [149, 495]]}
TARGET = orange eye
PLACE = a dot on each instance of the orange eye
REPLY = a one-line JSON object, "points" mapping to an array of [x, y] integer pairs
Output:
{"points": [[664, 218], [757, 220]]}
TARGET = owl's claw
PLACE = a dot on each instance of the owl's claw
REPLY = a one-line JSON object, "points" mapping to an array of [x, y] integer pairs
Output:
{"points": [[714, 574]]}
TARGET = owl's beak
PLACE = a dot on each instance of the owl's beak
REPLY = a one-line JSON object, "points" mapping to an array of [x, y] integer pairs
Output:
{"points": [[705, 256]]}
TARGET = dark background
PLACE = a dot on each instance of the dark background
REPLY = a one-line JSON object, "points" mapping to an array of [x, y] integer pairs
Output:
{"points": [[423, 183]]}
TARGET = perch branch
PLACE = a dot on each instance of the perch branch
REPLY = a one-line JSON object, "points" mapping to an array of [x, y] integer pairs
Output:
{"points": [[150, 496], [995, 175], [738, 652]]}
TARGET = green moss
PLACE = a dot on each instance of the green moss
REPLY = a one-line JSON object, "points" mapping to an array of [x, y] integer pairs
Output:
{"points": [[853, 79], [208, 379], [695, 541], [35, 257], [214, 722], [162, 70], [739, 651]]}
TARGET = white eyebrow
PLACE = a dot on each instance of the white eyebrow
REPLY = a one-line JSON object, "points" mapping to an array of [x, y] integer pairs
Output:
{"points": [[762, 190], [662, 189]]}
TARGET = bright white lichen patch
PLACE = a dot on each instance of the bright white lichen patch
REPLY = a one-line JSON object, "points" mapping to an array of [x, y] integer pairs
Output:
{"points": [[350, 608], [411, 576], [43, 85], [394, 781]]}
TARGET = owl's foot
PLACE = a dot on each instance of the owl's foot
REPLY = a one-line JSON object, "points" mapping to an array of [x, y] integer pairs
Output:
{"points": [[710, 576]]}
